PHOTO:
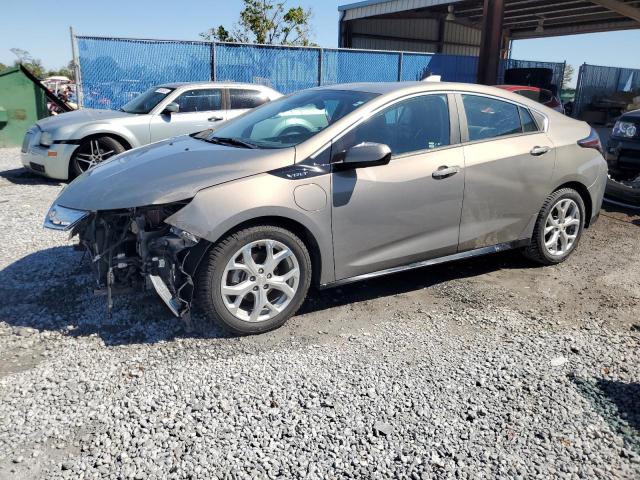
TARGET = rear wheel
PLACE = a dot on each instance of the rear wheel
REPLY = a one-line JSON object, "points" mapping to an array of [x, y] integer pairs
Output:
{"points": [[558, 228], [93, 151], [254, 280]]}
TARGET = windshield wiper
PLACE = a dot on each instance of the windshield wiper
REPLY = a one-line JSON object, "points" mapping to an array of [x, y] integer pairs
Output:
{"points": [[231, 141]]}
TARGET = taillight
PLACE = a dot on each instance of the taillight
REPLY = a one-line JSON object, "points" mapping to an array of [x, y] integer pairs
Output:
{"points": [[592, 141]]}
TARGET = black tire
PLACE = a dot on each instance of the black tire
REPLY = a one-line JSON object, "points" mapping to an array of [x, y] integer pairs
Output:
{"points": [[536, 250], [209, 297], [108, 147]]}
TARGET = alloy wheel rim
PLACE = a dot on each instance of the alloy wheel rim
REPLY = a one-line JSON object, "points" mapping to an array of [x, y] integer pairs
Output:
{"points": [[95, 155], [260, 280], [562, 227]]}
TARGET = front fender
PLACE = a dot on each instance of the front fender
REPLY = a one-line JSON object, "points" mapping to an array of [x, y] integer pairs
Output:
{"points": [[217, 210], [108, 130]]}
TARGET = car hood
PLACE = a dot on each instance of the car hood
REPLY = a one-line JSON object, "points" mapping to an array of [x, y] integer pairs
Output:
{"points": [[633, 115], [78, 117], [165, 172]]}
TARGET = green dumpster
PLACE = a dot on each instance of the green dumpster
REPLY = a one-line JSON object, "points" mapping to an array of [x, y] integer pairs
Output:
{"points": [[22, 103]]}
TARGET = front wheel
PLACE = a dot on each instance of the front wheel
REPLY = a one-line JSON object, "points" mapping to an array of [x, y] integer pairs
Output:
{"points": [[93, 151], [255, 279], [558, 228]]}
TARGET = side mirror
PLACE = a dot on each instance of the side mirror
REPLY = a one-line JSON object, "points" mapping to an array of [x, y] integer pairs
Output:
{"points": [[172, 107], [366, 154]]}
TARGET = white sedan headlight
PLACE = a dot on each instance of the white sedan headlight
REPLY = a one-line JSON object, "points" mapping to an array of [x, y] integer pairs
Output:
{"points": [[46, 139], [624, 129], [62, 218]]}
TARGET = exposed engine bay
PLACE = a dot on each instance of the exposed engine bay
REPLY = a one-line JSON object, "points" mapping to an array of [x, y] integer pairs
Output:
{"points": [[134, 249]]}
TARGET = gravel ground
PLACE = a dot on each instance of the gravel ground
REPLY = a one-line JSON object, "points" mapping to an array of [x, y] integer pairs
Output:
{"points": [[490, 368]]}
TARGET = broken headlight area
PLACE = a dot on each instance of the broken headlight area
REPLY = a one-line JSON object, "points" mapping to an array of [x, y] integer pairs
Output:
{"points": [[134, 249]]}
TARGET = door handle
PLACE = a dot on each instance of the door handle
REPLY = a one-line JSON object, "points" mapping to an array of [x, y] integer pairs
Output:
{"points": [[445, 172], [537, 151], [215, 119]]}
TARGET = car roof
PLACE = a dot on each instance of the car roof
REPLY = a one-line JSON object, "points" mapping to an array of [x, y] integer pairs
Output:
{"points": [[511, 88], [215, 84], [392, 89]]}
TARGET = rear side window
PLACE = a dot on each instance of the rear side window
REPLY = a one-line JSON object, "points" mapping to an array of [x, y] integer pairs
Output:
{"points": [[202, 100], [528, 123], [240, 99], [419, 123], [545, 96], [530, 94], [490, 118]]}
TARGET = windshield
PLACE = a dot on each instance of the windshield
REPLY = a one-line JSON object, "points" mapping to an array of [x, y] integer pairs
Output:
{"points": [[291, 120], [146, 101]]}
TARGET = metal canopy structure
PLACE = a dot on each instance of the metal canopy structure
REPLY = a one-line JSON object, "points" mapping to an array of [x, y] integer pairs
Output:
{"points": [[523, 18], [477, 27]]}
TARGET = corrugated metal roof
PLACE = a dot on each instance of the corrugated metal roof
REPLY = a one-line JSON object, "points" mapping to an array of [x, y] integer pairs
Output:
{"points": [[411, 28], [369, 8], [521, 17], [414, 34]]}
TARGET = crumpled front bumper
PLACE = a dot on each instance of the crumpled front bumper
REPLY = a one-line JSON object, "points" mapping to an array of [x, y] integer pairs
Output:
{"points": [[133, 249], [52, 161], [624, 154]]}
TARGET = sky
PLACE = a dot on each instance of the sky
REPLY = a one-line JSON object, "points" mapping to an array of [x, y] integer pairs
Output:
{"points": [[46, 35]]}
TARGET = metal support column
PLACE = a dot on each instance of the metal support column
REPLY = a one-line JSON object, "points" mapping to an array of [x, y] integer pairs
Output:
{"points": [[561, 86], [213, 61], [491, 42], [76, 68], [577, 99]]}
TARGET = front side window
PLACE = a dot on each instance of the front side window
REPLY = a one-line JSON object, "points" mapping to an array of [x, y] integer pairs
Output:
{"points": [[201, 100], [490, 118], [291, 120], [419, 123], [241, 99], [146, 101]]}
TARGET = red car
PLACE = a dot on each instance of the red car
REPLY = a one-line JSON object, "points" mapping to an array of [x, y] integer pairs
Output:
{"points": [[541, 95]]}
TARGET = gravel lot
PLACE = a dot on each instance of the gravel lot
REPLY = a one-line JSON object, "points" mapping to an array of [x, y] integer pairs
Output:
{"points": [[480, 369]]}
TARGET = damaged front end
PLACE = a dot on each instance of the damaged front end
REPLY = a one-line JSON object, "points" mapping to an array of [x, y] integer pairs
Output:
{"points": [[134, 249]]}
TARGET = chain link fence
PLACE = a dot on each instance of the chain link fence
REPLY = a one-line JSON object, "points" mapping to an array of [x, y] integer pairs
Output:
{"points": [[597, 82], [114, 70]]}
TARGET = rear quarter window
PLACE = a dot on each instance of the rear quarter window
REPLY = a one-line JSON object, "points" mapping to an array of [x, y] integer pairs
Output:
{"points": [[528, 122], [242, 99]]}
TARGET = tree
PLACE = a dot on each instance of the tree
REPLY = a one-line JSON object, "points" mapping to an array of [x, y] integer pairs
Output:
{"points": [[267, 22], [2, 66], [34, 65], [568, 75]]}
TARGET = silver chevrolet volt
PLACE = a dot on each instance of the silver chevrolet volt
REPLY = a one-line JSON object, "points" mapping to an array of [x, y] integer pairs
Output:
{"points": [[374, 179]]}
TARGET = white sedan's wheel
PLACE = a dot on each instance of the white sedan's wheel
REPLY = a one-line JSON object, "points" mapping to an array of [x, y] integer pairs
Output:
{"points": [[92, 152]]}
